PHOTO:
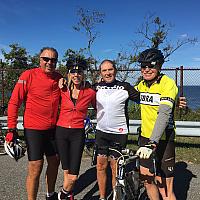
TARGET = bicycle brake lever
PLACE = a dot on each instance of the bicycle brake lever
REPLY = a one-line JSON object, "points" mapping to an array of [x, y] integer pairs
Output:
{"points": [[130, 152]]}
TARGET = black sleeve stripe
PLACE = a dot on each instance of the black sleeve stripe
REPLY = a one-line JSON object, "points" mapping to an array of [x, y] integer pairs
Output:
{"points": [[134, 95], [167, 99]]}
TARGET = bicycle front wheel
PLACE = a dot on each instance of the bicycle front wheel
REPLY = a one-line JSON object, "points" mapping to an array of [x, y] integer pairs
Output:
{"points": [[88, 149], [143, 194], [2, 150], [120, 193]]}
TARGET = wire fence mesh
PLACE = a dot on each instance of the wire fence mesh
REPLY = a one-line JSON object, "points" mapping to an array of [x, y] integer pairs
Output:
{"points": [[187, 79]]}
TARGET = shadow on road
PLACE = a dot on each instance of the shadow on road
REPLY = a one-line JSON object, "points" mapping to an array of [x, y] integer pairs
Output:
{"points": [[182, 180], [88, 178], [84, 181]]}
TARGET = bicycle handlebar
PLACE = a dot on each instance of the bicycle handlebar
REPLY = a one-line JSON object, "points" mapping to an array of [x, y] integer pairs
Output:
{"points": [[125, 154], [128, 155]]}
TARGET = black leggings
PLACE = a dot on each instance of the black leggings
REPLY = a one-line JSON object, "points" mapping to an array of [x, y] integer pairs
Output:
{"points": [[70, 144]]}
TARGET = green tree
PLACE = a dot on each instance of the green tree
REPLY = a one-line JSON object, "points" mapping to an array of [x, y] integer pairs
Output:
{"points": [[34, 61], [87, 24], [17, 58], [15, 62]]}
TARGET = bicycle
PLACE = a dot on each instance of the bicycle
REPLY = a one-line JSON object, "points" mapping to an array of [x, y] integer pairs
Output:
{"points": [[128, 184], [90, 132], [2, 140], [2, 130]]}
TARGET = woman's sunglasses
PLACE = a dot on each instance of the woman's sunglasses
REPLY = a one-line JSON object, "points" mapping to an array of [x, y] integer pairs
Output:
{"points": [[78, 71]]}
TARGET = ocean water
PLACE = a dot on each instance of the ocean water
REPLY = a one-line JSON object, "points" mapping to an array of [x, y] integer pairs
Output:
{"points": [[192, 94]]}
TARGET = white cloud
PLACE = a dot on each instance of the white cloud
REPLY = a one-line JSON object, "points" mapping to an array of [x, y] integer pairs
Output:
{"points": [[196, 59], [184, 35], [108, 50]]}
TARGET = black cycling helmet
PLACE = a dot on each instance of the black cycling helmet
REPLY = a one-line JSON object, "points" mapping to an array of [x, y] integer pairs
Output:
{"points": [[151, 56], [76, 63]]}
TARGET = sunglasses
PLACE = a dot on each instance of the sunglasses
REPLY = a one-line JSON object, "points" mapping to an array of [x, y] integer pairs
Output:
{"points": [[47, 59], [78, 71], [148, 65]]}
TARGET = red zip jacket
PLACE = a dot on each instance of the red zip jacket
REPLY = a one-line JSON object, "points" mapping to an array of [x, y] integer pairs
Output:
{"points": [[72, 116], [41, 94]]}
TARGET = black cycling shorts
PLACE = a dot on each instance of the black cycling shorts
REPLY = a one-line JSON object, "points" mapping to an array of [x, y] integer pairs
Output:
{"points": [[40, 143], [104, 140], [165, 156], [70, 144]]}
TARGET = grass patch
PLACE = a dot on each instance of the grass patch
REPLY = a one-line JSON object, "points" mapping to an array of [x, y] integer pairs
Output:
{"points": [[187, 148]]}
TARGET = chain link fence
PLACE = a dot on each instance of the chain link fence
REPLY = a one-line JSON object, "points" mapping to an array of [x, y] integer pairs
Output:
{"points": [[187, 79]]}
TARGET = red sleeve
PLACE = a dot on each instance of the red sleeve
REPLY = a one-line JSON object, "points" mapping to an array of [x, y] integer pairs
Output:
{"points": [[18, 96]]}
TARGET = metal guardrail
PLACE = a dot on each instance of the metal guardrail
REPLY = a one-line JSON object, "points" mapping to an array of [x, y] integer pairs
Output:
{"points": [[3, 122], [183, 128]]}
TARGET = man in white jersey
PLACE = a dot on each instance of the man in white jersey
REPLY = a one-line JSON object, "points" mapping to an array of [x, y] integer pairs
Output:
{"points": [[112, 120]]}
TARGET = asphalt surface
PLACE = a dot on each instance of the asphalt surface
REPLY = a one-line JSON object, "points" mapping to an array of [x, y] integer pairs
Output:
{"points": [[13, 175]]}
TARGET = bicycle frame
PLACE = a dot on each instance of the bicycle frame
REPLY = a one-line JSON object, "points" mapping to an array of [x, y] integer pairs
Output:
{"points": [[2, 140], [127, 182], [90, 132], [89, 127]]}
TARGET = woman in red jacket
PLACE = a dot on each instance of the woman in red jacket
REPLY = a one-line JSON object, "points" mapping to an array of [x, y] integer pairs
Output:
{"points": [[70, 133]]}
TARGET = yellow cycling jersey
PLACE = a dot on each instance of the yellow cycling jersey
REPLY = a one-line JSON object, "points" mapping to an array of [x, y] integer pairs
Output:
{"points": [[163, 91]]}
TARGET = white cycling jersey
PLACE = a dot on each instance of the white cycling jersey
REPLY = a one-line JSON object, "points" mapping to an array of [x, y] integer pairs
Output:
{"points": [[112, 101]]}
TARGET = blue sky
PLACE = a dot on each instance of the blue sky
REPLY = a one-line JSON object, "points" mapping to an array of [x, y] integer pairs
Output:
{"points": [[38, 23]]}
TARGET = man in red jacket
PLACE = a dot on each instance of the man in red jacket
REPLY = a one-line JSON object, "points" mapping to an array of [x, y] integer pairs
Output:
{"points": [[38, 89]]}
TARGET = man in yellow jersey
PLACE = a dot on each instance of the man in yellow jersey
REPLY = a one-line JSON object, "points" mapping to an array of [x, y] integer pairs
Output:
{"points": [[157, 98]]}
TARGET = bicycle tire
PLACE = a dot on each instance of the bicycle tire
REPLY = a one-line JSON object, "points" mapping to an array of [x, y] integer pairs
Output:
{"points": [[120, 193], [2, 150], [88, 149], [143, 194], [132, 185], [89, 141]]}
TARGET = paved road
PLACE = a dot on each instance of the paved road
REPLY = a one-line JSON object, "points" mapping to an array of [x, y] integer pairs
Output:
{"points": [[12, 181]]}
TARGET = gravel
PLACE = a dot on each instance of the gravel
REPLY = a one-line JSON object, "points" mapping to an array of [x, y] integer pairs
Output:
{"points": [[13, 175]]}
